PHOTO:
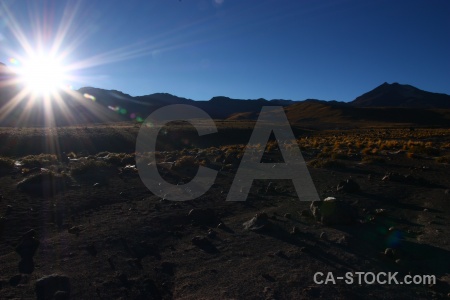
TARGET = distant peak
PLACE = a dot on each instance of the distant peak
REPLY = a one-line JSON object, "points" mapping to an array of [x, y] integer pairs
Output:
{"points": [[401, 95], [389, 84], [219, 98], [392, 85]]}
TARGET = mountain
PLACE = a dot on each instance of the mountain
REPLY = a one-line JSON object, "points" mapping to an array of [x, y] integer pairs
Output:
{"points": [[223, 107], [387, 105], [161, 99], [401, 95], [219, 107]]}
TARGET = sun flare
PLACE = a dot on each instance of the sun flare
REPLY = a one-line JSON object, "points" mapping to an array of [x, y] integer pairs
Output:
{"points": [[42, 74]]}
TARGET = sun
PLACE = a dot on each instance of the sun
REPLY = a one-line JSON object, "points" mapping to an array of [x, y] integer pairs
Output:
{"points": [[42, 74]]}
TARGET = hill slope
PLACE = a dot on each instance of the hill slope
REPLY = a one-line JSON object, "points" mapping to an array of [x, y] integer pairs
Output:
{"points": [[322, 114], [401, 95]]}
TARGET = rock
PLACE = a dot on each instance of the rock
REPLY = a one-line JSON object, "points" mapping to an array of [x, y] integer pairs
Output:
{"points": [[323, 235], [333, 212], [48, 286], [26, 266], [221, 226], [28, 245], [45, 183], [343, 240], [348, 186], [199, 240], [258, 223], [393, 176], [295, 230], [211, 233], [400, 262], [329, 199], [281, 254], [74, 230], [203, 216], [287, 215], [203, 243], [27, 248], [61, 295], [314, 208], [15, 280], [389, 253], [380, 211], [408, 179]]}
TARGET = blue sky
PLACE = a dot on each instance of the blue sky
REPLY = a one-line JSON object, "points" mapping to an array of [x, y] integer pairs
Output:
{"points": [[273, 49]]}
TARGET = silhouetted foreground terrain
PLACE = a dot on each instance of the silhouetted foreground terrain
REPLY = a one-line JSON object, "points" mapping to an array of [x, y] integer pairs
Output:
{"points": [[84, 226]]}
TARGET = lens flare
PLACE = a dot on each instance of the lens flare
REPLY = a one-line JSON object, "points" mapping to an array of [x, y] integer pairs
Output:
{"points": [[13, 61], [88, 96]]}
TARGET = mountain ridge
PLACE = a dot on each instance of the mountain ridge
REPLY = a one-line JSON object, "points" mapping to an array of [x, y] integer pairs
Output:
{"points": [[385, 104]]}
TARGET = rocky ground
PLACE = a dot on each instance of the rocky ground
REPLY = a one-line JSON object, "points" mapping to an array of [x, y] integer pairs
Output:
{"points": [[87, 228]]}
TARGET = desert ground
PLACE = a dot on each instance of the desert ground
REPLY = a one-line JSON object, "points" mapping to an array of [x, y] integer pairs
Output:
{"points": [[82, 225]]}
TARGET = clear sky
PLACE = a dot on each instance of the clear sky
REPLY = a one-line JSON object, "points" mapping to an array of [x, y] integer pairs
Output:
{"points": [[273, 49]]}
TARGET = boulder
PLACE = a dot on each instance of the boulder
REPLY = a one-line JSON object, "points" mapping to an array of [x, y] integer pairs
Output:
{"points": [[203, 216], [52, 285], [348, 186], [28, 245], [44, 183], [27, 248], [333, 212], [259, 222]]}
